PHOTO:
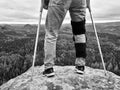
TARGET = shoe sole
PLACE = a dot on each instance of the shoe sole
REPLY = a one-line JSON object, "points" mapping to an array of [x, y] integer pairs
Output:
{"points": [[79, 71], [50, 75]]}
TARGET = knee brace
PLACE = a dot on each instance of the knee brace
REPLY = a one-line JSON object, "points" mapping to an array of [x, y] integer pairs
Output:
{"points": [[78, 27]]}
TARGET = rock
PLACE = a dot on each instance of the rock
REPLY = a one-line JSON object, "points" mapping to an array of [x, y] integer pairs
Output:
{"points": [[65, 79]]}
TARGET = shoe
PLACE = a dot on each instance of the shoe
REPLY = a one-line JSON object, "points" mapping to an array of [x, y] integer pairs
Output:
{"points": [[49, 72], [80, 69]]}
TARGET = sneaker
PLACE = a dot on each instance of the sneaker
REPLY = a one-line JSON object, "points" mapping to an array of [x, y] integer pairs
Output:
{"points": [[49, 72], [80, 69]]}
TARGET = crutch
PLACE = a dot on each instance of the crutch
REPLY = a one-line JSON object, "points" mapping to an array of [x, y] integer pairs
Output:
{"points": [[98, 42], [37, 37]]}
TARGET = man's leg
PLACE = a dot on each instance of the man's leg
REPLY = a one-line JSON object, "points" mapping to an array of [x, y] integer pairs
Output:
{"points": [[77, 13], [54, 20], [80, 45]]}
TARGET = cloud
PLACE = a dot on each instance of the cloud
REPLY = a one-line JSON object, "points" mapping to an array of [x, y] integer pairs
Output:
{"points": [[107, 9], [18, 10], [28, 10]]}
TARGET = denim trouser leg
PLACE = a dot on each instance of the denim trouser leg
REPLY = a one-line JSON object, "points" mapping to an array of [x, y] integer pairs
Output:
{"points": [[54, 20]]}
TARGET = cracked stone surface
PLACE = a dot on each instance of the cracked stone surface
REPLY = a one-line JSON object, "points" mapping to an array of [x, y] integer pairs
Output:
{"points": [[65, 79]]}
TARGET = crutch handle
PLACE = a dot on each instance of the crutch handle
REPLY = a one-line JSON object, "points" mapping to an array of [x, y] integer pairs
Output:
{"points": [[41, 6]]}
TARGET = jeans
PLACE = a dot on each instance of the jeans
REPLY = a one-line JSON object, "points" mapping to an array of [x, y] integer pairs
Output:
{"points": [[56, 12]]}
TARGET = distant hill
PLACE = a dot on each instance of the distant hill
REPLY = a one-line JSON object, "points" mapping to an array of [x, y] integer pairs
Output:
{"points": [[28, 26]]}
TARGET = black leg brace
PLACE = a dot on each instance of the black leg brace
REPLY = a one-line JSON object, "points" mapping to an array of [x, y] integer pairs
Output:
{"points": [[78, 28]]}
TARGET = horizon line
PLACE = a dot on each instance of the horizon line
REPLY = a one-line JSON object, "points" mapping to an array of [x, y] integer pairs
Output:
{"points": [[64, 22]]}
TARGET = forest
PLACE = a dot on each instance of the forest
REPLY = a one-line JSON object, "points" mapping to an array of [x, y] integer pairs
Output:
{"points": [[17, 48]]}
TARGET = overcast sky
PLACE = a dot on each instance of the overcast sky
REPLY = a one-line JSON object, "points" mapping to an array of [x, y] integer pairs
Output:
{"points": [[28, 10]]}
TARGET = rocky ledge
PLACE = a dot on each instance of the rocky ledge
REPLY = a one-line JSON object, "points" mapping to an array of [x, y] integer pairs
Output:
{"points": [[65, 79]]}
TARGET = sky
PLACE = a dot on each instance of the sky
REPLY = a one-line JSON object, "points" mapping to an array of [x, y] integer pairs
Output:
{"points": [[27, 11]]}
